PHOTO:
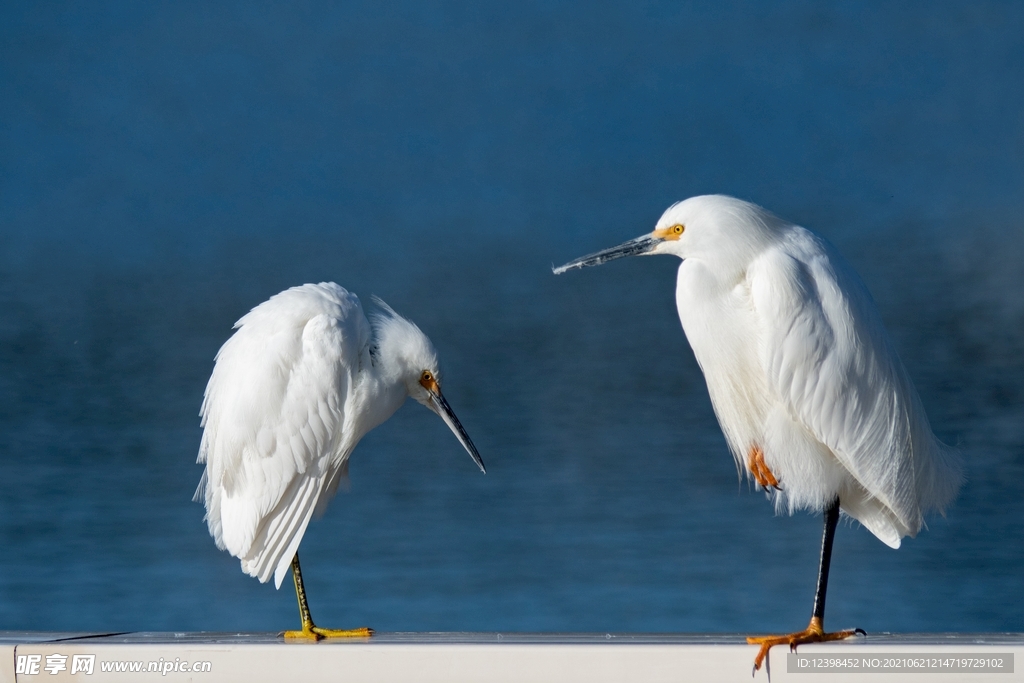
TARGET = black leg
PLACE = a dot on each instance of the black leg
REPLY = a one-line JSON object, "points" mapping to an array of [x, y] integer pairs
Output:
{"points": [[829, 535]]}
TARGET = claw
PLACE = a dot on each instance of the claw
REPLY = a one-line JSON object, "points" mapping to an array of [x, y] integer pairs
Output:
{"points": [[759, 470], [362, 632]]}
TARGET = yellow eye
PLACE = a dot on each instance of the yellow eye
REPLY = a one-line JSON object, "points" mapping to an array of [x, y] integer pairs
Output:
{"points": [[677, 229], [427, 377]]}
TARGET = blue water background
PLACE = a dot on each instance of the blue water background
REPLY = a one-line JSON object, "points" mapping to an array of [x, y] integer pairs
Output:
{"points": [[165, 166]]}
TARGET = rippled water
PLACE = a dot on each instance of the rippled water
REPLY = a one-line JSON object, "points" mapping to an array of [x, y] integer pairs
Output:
{"points": [[168, 166]]}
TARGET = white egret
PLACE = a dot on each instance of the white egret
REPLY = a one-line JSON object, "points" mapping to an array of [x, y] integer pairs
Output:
{"points": [[299, 383], [815, 404]]}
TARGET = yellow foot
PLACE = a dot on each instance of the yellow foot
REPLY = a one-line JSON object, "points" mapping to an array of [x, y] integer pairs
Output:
{"points": [[814, 633], [315, 633]]}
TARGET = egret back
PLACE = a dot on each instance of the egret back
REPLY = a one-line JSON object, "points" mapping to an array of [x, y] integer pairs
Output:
{"points": [[277, 418], [838, 374]]}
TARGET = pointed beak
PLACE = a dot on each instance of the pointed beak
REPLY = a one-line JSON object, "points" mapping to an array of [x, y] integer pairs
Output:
{"points": [[636, 247], [441, 407]]}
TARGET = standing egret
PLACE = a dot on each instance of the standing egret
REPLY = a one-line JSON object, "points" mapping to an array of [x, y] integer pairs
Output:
{"points": [[813, 400], [292, 392]]}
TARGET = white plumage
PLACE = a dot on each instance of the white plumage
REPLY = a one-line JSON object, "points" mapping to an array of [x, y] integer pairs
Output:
{"points": [[800, 369], [292, 392], [797, 362]]}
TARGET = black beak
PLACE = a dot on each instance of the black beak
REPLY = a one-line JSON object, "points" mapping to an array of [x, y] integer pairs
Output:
{"points": [[636, 247], [442, 408]]}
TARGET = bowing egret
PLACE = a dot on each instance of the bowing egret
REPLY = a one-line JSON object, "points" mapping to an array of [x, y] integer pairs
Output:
{"points": [[302, 379], [815, 405]]}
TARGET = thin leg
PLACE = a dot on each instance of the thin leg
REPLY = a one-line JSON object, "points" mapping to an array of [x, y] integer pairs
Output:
{"points": [[309, 630], [815, 631], [827, 538]]}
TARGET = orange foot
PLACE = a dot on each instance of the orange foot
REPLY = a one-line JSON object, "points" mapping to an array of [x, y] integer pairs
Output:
{"points": [[814, 633], [758, 468]]}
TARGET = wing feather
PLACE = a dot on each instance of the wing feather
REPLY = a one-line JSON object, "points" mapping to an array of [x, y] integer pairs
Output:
{"points": [[828, 358]]}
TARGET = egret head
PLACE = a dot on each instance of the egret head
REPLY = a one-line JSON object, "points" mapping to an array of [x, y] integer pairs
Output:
{"points": [[408, 357], [711, 226]]}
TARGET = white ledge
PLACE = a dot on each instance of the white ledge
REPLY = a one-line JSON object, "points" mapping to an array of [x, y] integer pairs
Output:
{"points": [[481, 657]]}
